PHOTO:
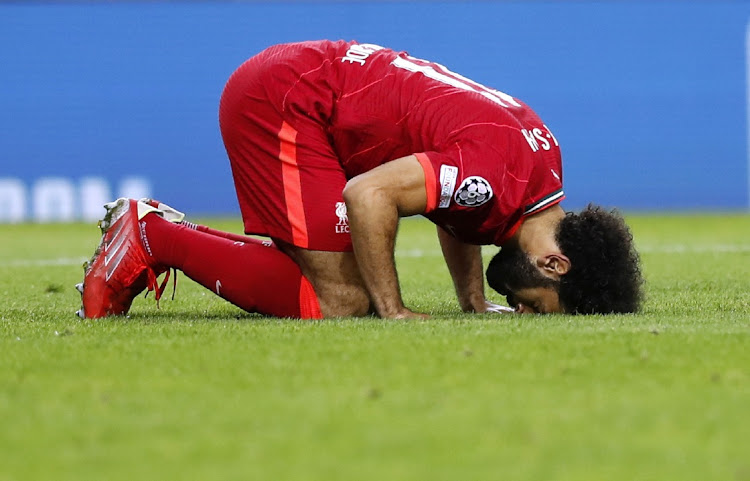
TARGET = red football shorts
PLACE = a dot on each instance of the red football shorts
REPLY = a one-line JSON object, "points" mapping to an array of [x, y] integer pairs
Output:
{"points": [[287, 176]]}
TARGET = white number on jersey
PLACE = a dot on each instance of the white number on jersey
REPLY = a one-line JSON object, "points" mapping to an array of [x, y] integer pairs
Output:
{"points": [[455, 80]]}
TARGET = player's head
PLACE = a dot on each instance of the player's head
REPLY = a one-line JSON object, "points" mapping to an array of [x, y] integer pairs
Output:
{"points": [[602, 274], [513, 274]]}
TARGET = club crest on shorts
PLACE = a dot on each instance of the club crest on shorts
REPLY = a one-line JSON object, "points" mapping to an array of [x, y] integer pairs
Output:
{"points": [[342, 227], [474, 191]]}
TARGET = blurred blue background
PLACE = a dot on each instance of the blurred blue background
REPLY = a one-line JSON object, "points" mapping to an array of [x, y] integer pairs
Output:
{"points": [[647, 98]]}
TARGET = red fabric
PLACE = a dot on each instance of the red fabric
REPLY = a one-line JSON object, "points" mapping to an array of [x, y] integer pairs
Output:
{"points": [[429, 181], [356, 106], [295, 208], [308, 301], [250, 274], [286, 174]]}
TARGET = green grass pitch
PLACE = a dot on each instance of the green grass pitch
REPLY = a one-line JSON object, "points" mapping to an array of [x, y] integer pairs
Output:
{"points": [[197, 389]]}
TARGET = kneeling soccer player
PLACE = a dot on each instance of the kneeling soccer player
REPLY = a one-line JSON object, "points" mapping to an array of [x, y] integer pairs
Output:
{"points": [[330, 143]]}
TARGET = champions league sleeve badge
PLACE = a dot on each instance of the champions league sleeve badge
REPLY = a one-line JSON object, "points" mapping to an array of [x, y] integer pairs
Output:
{"points": [[474, 191]]}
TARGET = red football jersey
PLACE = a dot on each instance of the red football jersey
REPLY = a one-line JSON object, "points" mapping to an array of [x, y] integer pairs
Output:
{"points": [[488, 158]]}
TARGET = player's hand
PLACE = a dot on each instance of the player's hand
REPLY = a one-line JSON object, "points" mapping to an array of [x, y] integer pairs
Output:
{"points": [[407, 314]]}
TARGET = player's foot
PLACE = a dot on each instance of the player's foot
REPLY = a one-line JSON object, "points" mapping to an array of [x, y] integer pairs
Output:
{"points": [[121, 267]]}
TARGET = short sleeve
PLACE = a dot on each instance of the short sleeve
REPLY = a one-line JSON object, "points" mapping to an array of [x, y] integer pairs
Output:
{"points": [[440, 176]]}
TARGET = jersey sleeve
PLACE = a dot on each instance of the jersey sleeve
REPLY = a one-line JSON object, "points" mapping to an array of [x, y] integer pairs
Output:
{"points": [[473, 175], [481, 192], [440, 175]]}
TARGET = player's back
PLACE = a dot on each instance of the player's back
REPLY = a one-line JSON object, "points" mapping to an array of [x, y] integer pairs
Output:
{"points": [[377, 105], [391, 105], [361, 105]]}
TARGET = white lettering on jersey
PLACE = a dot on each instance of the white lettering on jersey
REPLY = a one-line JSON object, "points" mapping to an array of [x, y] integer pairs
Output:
{"points": [[537, 136], [530, 139], [448, 176], [541, 138], [358, 53]]}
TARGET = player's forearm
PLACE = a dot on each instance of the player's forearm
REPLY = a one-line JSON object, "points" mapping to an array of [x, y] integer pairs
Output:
{"points": [[373, 221], [464, 263], [375, 201]]}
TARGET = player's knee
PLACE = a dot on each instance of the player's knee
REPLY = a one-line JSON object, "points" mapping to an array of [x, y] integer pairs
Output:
{"points": [[335, 278]]}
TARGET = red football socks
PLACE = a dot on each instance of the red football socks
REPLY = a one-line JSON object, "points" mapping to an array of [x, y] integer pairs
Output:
{"points": [[245, 271]]}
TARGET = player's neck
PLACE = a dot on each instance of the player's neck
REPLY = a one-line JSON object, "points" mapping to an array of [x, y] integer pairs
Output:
{"points": [[536, 236]]}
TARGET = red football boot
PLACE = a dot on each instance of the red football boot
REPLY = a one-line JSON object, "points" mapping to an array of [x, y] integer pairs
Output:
{"points": [[121, 267]]}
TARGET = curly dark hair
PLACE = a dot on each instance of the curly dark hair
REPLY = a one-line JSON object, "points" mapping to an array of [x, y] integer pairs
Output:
{"points": [[605, 274]]}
